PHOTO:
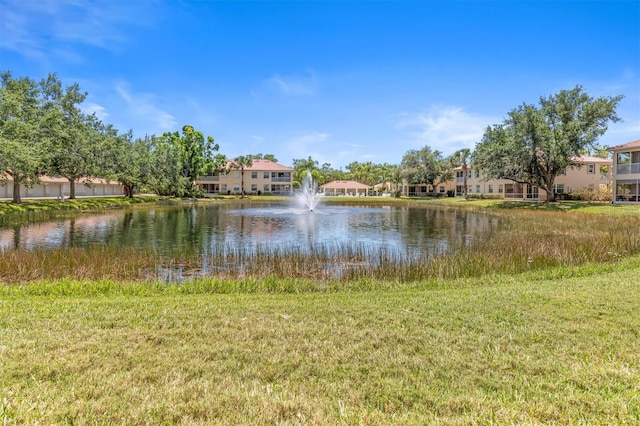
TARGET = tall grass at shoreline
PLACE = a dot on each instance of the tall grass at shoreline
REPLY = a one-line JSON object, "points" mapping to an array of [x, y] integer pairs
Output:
{"points": [[527, 240]]}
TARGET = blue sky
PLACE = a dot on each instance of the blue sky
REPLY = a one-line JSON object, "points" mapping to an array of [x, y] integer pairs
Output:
{"points": [[339, 81]]}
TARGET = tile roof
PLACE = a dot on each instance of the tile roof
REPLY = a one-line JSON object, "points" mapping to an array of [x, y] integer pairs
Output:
{"points": [[633, 144], [592, 159], [344, 184], [50, 179], [264, 165]]}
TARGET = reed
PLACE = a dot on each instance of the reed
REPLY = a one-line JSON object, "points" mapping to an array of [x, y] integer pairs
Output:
{"points": [[527, 241]]}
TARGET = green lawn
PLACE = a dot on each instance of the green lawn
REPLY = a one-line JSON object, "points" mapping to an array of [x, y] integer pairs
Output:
{"points": [[545, 347]]}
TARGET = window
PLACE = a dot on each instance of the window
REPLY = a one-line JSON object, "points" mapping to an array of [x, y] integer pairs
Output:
{"points": [[558, 188], [500, 188], [254, 175], [236, 175], [591, 168], [266, 175], [477, 173], [265, 187], [478, 189], [236, 188], [442, 189], [490, 189], [624, 158], [223, 187], [254, 187]]}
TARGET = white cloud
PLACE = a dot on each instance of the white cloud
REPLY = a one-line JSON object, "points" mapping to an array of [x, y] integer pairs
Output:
{"points": [[293, 85], [445, 128], [307, 144], [41, 29], [94, 108], [143, 107]]}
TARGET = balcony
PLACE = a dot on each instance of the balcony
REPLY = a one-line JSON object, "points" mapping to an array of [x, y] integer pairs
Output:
{"points": [[209, 178], [281, 179], [626, 169]]}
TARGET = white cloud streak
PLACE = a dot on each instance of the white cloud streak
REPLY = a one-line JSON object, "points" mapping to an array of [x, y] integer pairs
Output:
{"points": [[293, 85], [94, 108], [445, 128], [144, 109], [40, 29]]}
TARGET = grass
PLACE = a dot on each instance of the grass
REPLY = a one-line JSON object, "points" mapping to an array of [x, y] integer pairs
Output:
{"points": [[44, 209], [555, 347], [538, 324]]}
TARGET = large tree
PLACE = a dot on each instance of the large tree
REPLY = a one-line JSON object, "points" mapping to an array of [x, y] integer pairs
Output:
{"points": [[425, 166], [537, 143], [21, 132], [241, 163], [195, 155], [74, 138], [131, 161]]}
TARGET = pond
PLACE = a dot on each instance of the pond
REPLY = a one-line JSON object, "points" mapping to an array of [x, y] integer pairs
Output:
{"points": [[405, 229]]}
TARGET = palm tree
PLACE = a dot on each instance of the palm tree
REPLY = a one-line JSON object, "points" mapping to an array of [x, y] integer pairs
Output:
{"points": [[301, 166], [241, 163], [461, 158]]}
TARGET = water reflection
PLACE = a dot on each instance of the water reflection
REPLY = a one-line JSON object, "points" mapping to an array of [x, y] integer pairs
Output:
{"points": [[203, 228]]}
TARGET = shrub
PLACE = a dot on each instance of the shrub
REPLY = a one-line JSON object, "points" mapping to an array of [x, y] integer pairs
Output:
{"points": [[592, 195]]}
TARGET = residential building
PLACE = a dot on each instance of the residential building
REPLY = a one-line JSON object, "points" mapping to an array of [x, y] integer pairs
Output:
{"points": [[424, 189], [344, 187], [57, 187], [262, 177], [592, 173], [626, 172]]}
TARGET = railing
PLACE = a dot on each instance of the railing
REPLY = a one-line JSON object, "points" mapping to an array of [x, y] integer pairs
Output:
{"points": [[625, 169], [281, 179], [209, 178], [514, 195], [459, 180]]}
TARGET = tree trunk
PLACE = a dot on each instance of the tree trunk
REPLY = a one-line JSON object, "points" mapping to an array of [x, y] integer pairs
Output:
{"points": [[72, 189], [551, 196], [465, 189], [128, 190], [17, 198], [242, 184]]}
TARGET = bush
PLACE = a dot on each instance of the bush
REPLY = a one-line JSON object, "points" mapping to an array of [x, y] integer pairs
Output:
{"points": [[591, 195]]}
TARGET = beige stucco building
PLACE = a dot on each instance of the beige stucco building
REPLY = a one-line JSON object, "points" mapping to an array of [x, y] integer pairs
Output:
{"points": [[423, 189], [593, 173], [626, 172], [345, 187], [262, 177], [56, 187]]}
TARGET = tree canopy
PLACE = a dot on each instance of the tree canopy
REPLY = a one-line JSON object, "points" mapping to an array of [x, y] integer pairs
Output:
{"points": [[536, 143], [22, 131], [425, 166]]}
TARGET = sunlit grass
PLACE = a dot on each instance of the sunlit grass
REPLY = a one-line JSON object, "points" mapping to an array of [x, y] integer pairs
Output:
{"points": [[44, 209], [559, 346]]}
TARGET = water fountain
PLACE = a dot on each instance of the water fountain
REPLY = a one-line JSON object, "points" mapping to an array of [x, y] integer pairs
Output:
{"points": [[309, 193]]}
